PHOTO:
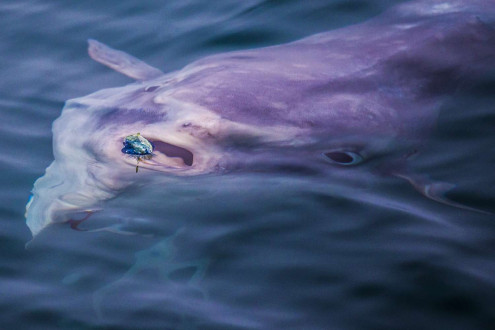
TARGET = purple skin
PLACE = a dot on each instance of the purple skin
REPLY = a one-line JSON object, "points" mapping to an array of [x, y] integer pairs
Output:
{"points": [[363, 92], [379, 77]]}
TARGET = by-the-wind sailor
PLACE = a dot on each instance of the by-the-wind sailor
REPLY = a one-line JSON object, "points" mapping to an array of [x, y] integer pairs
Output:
{"points": [[136, 144]]}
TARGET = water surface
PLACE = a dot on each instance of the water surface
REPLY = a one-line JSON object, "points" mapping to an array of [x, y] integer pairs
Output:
{"points": [[238, 251]]}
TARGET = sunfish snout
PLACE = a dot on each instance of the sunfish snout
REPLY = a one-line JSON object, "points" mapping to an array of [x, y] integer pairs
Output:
{"points": [[58, 195]]}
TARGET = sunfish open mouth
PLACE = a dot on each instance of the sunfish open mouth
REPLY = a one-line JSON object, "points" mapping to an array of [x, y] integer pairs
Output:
{"points": [[171, 150]]}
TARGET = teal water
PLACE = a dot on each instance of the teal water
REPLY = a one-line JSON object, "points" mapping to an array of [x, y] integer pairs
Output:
{"points": [[237, 251]]}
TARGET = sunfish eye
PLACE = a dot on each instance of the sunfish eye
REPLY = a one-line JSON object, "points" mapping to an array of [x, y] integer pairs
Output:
{"points": [[343, 157]]}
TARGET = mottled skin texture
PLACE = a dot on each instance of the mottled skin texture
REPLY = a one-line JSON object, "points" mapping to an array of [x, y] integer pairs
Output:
{"points": [[369, 88], [372, 77]]}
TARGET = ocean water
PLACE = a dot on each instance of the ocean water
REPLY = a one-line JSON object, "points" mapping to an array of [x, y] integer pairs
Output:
{"points": [[240, 250]]}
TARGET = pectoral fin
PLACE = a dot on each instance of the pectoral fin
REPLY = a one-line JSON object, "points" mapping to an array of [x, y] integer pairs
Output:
{"points": [[435, 190], [121, 62]]}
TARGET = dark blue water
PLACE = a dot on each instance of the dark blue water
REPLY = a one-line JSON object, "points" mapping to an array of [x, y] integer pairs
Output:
{"points": [[236, 251]]}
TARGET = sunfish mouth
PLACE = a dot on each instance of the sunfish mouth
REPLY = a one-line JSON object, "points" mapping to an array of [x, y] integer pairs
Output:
{"points": [[173, 151]]}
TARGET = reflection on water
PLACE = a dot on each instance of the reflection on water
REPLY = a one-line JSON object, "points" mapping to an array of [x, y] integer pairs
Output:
{"points": [[283, 248], [264, 251]]}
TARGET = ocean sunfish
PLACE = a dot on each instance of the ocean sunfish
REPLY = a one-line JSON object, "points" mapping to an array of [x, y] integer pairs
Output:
{"points": [[329, 101]]}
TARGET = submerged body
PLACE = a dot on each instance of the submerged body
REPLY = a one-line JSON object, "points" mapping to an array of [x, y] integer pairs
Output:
{"points": [[333, 100]]}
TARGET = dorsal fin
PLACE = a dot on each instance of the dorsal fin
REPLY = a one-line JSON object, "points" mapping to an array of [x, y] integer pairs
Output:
{"points": [[121, 62]]}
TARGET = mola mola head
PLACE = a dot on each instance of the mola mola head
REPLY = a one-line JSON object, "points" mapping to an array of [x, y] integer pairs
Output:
{"points": [[330, 101]]}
